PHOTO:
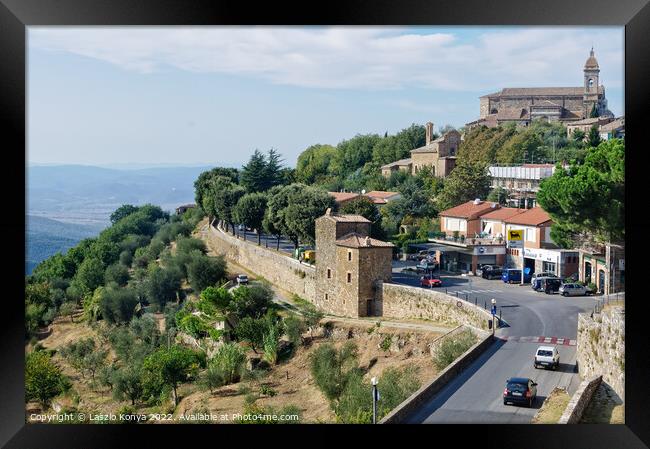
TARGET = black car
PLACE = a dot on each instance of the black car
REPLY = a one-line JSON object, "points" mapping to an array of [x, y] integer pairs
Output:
{"points": [[520, 390], [491, 272]]}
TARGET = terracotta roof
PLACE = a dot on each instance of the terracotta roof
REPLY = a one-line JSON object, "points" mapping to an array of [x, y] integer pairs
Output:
{"points": [[354, 240], [502, 213], [401, 162], [381, 194], [587, 121], [470, 210], [541, 91], [343, 196], [531, 217], [348, 218], [512, 114], [614, 125]]}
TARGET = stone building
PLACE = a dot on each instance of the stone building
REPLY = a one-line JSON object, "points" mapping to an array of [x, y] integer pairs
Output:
{"points": [[521, 105], [437, 155], [349, 265]]}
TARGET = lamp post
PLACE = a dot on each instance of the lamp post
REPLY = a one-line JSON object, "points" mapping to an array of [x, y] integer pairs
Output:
{"points": [[494, 312], [375, 397]]}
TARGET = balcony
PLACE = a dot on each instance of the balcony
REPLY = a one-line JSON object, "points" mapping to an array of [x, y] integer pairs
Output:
{"points": [[477, 240]]}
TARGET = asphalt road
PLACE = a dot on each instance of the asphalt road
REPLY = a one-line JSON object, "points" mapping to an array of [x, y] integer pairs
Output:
{"points": [[475, 396]]}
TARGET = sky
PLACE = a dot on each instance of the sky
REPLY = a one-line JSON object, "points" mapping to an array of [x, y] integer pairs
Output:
{"points": [[147, 96]]}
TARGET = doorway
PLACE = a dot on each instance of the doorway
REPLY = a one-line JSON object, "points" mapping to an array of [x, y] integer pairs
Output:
{"points": [[601, 281]]}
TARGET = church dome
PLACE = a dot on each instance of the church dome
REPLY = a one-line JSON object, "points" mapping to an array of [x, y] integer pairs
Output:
{"points": [[591, 63]]}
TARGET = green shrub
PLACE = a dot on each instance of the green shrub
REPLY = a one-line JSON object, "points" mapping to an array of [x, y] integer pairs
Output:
{"points": [[385, 343], [452, 347]]}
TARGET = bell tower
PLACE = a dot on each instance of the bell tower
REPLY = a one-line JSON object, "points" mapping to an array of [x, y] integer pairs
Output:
{"points": [[591, 83]]}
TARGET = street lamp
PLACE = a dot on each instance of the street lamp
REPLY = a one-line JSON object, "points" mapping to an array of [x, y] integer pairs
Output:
{"points": [[375, 398], [494, 312]]}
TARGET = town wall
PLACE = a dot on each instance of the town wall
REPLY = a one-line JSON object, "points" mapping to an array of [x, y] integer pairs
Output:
{"points": [[601, 347], [406, 302], [277, 268]]}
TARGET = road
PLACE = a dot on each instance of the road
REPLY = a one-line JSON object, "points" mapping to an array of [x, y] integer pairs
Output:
{"points": [[531, 319]]}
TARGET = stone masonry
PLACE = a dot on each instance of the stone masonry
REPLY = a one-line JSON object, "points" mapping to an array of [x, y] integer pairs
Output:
{"points": [[601, 347]]}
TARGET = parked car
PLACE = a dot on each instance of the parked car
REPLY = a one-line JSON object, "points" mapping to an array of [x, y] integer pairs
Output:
{"points": [[547, 356], [242, 279], [426, 267], [539, 283], [427, 253], [430, 281], [491, 272], [520, 390], [513, 275], [551, 285], [573, 290], [545, 274]]}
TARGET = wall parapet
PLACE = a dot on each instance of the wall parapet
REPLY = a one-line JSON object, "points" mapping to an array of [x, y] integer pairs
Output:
{"points": [[580, 400], [407, 302], [414, 402], [279, 269]]}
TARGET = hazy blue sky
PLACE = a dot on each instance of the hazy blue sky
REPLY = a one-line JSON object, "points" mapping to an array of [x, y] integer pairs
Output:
{"points": [[212, 95]]}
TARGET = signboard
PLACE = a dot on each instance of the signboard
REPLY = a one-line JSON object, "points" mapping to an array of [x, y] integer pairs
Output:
{"points": [[516, 234], [515, 244]]}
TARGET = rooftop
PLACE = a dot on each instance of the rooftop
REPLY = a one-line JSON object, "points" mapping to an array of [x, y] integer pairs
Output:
{"points": [[540, 91], [614, 125], [502, 213], [401, 162], [354, 240], [343, 196], [531, 217], [345, 218], [381, 194], [470, 209]]}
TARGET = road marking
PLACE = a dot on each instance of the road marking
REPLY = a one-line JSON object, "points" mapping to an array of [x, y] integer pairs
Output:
{"points": [[537, 339]]}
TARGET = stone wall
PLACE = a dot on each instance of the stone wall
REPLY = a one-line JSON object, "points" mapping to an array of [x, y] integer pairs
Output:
{"points": [[276, 267], [580, 400], [405, 302], [413, 403], [601, 347]]}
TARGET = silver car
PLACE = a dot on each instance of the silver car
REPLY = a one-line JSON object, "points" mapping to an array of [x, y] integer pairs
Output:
{"points": [[573, 290]]}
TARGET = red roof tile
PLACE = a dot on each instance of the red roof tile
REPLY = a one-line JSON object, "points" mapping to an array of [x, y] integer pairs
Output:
{"points": [[354, 240], [502, 213], [470, 210], [343, 196], [531, 217]]}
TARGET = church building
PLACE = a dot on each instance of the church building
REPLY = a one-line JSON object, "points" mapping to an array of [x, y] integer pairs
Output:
{"points": [[521, 105]]}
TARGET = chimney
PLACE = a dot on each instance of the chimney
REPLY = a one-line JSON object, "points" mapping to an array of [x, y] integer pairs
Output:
{"points": [[368, 241], [328, 212], [429, 132]]}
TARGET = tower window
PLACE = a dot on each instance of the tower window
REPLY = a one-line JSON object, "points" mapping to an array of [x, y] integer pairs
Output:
{"points": [[326, 297], [329, 274], [591, 82], [349, 277], [349, 255]]}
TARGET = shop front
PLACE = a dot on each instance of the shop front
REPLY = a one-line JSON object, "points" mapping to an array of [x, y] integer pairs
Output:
{"points": [[563, 263]]}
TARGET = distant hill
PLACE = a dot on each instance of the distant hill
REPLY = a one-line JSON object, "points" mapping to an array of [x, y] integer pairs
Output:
{"points": [[67, 203], [46, 237], [88, 195]]}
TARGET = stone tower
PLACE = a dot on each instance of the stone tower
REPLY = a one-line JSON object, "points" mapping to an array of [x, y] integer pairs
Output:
{"points": [[591, 84], [348, 265]]}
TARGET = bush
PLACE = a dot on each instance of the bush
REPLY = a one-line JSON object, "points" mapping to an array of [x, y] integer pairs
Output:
{"points": [[229, 359], [385, 343], [117, 273], [333, 369], [452, 347], [188, 244], [204, 271], [43, 379], [118, 306]]}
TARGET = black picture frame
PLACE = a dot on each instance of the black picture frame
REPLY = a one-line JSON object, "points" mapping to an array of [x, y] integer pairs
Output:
{"points": [[16, 15]]}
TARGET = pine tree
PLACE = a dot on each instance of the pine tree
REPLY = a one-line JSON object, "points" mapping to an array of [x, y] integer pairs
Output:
{"points": [[254, 173]]}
